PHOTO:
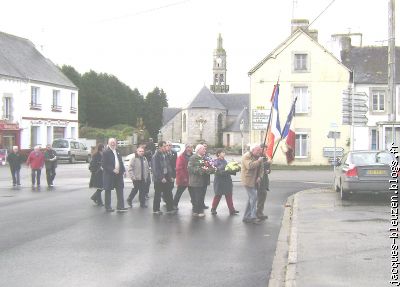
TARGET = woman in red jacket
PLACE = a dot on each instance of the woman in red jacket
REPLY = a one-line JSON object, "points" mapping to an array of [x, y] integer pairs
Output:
{"points": [[36, 161], [182, 174]]}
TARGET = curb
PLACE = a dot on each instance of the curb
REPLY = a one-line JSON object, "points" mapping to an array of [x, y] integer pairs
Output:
{"points": [[290, 278], [283, 273], [278, 272]]}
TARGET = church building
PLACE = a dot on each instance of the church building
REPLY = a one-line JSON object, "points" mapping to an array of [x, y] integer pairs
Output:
{"points": [[214, 115]]}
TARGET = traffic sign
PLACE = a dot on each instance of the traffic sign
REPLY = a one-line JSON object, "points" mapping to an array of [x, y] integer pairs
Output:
{"points": [[328, 151], [354, 108]]}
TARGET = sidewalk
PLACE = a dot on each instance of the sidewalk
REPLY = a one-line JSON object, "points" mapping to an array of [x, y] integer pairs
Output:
{"points": [[333, 243]]}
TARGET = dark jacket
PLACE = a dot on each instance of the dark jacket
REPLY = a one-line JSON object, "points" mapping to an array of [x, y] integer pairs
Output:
{"points": [[159, 162], [222, 179], [96, 179], [15, 160], [197, 177], [48, 155], [110, 179], [172, 156], [264, 183]]}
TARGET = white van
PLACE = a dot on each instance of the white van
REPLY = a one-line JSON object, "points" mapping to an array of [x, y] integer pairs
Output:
{"points": [[71, 150]]}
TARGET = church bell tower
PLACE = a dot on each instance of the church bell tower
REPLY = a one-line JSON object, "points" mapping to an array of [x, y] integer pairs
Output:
{"points": [[219, 69]]}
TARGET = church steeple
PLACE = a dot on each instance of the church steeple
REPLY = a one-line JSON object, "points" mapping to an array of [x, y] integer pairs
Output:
{"points": [[219, 69]]}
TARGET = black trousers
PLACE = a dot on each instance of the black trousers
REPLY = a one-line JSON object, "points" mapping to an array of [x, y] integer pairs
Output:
{"points": [[36, 176], [203, 194], [119, 188], [197, 198], [165, 190], [178, 194], [50, 174], [15, 175], [97, 196], [138, 185]]}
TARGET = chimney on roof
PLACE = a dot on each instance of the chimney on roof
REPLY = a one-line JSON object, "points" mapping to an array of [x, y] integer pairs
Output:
{"points": [[345, 43], [299, 24], [313, 34]]}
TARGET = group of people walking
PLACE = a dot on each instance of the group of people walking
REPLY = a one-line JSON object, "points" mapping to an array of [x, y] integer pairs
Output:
{"points": [[36, 160], [191, 170]]}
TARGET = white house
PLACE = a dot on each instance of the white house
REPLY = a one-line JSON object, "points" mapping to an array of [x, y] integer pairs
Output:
{"points": [[369, 66], [38, 102]]}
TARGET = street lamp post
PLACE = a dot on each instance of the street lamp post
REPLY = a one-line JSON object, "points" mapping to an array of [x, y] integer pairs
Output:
{"points": [[201, 123], [241, 127]]}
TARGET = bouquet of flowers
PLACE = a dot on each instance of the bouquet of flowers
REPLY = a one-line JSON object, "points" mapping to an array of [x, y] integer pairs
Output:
{"points": [[207, 166], [233, 167]]}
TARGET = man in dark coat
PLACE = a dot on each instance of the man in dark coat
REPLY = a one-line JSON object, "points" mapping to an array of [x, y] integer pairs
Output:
{"points": [[163, 176], [113, 176], [50, 162], [15, 159]]}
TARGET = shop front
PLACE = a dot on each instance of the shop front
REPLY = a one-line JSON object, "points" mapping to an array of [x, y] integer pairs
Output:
{"points": [[10, 135]]}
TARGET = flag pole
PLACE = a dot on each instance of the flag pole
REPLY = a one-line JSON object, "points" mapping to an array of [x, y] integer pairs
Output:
{"points": [[269, 119], [280, 139]]}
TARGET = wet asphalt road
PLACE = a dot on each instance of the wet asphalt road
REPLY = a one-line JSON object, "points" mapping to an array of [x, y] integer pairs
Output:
{"points": [[58, 237]]}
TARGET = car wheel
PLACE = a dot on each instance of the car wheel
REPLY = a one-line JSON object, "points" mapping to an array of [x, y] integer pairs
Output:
{"points": [[343, 194], [72, 159], [89, 158]]}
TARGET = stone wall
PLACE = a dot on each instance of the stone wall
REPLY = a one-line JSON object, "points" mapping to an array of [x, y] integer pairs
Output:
{"points": [[172, 131]]}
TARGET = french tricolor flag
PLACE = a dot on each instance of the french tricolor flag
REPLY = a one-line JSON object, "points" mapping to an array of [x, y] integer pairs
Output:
{"points": [[290, 135], [274, 132]]}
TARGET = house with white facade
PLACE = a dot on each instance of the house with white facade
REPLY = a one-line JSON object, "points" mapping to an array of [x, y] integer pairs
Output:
{"points": [[38, 103], [309, 72], [369, 66]]}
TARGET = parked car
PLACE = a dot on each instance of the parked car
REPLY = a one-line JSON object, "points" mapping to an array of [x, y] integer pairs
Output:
{"points": [[71, 150], [127, 160], [179, 148], [3, 156], [363, 171]]}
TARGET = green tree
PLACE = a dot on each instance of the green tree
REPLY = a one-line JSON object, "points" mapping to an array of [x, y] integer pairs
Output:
{"points": [[76, 78], [154, 103]]}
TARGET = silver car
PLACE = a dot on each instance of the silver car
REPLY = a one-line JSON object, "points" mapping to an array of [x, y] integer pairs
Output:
{"points": [[71, 150], [363, 171]]}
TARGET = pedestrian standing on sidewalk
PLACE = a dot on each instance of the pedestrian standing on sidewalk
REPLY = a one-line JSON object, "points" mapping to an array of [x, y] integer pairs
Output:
{"points": [[36, 161], [139, 172], [252, 169], [197, 180], [96, 178], [113, 176], [50, 162], [14, 160], [182, 174], [262, 189], [222, 184], [162, 178]]}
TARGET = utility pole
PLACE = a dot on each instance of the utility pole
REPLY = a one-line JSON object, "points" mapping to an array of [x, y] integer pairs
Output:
{"points": [[392, 67]]}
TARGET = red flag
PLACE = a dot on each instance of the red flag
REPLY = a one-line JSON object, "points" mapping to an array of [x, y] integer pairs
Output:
{"points": [[290, 145]]}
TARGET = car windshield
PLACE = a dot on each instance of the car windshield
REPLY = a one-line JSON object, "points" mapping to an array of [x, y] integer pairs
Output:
{"points": [[60, 144], [371, 158]]}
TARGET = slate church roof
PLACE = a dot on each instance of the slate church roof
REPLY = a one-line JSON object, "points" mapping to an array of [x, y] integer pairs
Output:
{"points": [[235, 105], [20, 59], [370, 64]]}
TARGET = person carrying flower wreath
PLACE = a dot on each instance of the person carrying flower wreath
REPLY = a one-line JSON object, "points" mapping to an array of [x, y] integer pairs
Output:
{"points": [[222, 184]]}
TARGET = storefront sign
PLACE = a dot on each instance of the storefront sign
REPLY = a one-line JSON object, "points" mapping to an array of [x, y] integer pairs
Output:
{"points": [[5, 126], [50, 123]]}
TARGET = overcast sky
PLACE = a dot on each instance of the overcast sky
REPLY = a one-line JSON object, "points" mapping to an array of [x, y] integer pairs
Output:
{"points": [[169, 43]]}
